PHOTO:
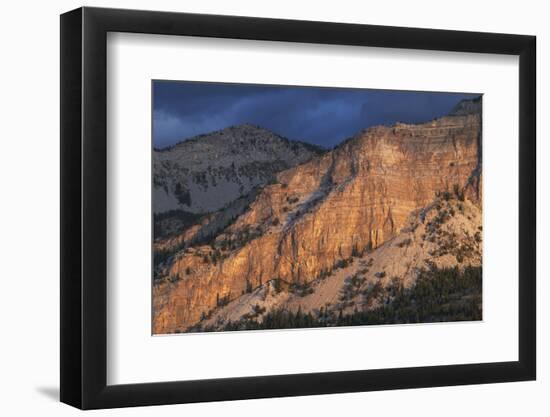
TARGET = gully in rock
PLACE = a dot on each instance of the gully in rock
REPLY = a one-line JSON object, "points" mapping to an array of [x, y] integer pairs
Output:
{"points": [[299, 207]]}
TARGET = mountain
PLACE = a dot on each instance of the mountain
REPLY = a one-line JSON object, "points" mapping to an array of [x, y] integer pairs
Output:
{"points": [[445, 234], [467, 106], [205, 173], [384, 207]]}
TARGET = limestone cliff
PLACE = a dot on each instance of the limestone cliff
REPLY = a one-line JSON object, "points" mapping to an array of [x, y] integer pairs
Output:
{"points": [[344, 203], [444, 234]]}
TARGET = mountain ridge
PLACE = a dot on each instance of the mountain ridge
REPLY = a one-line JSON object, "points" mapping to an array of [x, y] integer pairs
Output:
{"points": [[202, 174], [243, 127], [349, 200]]}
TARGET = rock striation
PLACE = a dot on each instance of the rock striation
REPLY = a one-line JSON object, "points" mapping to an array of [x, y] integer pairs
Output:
{"points": [[337, 205], [445, 234]]}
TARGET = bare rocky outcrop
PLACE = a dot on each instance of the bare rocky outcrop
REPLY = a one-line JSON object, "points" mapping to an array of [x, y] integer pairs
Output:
{"points": [[444, 234], [205, 173], [344, 203]]}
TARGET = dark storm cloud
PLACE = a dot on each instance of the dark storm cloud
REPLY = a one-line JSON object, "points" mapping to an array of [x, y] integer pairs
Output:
{"points": [[324, 116]]}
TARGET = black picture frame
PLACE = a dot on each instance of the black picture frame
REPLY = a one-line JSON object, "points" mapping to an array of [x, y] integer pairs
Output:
{"points": [[84, 207]]}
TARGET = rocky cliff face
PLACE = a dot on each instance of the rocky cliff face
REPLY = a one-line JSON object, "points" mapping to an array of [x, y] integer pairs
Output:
{"points": [[205, 173], [444, 234], [344, 203]]}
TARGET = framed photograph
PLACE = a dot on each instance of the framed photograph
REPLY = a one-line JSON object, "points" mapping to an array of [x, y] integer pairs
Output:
{"points": [[257, 208]]}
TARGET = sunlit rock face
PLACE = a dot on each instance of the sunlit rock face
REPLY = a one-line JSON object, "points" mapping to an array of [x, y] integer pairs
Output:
{"points": [[345, 202]]}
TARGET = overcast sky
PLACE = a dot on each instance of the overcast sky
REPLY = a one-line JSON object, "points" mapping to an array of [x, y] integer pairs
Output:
{"points": [[323, 116]]}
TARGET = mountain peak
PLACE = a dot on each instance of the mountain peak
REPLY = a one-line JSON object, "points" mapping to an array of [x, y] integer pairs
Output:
{"points": [[204, 173], [248, 127], [466, 107]]}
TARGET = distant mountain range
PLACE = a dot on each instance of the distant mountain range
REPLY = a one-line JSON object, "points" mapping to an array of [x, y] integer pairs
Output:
{"points": [[206, 172], [293, 232]]}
